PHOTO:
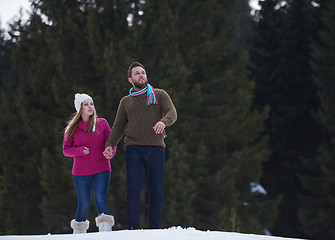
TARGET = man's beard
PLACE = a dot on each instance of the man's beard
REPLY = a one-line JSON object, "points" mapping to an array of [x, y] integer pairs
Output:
{"points": [[139, 85]]}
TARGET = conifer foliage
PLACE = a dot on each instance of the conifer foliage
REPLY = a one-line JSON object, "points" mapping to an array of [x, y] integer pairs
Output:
{"points": [[280, 64], [236, 126], [317, 206]]}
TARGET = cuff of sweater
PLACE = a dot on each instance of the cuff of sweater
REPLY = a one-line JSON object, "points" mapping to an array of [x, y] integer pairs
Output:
{"points": [[110, 144]]}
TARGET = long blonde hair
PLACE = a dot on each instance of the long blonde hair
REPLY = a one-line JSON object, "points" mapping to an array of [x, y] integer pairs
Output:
{"points": [[74, 121]]}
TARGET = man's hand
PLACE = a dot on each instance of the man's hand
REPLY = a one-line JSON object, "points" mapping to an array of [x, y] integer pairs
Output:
{"points": [[159, 127], [108, 153]]}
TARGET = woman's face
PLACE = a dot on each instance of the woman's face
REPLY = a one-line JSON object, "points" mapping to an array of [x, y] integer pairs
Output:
{"points": [[87, 107]]}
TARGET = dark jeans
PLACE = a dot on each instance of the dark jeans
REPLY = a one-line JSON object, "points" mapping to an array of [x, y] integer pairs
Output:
{"points": [[152, 159], [83, 185]]}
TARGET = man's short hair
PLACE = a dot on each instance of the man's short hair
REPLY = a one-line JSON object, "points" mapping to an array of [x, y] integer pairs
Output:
{"points": [[134, 64]]}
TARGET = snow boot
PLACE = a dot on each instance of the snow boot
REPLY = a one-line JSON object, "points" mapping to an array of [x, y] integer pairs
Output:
{"points": [[104, 222], [79, 227]]}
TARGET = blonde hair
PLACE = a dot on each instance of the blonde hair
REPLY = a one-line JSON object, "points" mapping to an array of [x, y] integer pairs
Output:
{"points": [[74, 121]]}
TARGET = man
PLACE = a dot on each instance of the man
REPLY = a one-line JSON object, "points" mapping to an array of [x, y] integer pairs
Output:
{"points": [[142, 116]]}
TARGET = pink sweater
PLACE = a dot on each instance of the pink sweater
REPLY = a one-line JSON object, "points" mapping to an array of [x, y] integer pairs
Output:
{"points": [[94, 162]]}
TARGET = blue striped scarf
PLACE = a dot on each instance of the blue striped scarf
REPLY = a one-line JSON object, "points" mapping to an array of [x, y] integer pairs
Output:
{"points": [[151, 97]]}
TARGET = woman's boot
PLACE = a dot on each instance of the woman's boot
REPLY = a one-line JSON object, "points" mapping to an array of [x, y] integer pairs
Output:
{"points": [[79, 227], [104, 222]]}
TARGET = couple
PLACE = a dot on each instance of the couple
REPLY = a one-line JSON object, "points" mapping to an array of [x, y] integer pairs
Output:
{"points": [[142, 116]]}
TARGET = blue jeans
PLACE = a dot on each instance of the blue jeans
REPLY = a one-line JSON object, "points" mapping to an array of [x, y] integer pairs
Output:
{"points": [[83, 185], [152, 159]]}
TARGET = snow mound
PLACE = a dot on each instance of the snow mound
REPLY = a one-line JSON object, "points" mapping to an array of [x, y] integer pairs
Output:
{"points": [[173, 233]]}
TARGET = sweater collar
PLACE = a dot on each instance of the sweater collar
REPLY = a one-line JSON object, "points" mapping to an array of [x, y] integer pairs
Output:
{"points": [[82, 125]]}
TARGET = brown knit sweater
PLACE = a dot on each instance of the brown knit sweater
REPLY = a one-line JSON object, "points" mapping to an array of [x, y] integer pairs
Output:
{"points": [[136, 120]]}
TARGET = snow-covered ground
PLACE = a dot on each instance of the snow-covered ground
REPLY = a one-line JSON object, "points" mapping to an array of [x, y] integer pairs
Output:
{"points": [[173, 233]]}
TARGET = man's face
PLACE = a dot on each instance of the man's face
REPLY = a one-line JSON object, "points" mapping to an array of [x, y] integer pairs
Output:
{"points": [[138, 77]]}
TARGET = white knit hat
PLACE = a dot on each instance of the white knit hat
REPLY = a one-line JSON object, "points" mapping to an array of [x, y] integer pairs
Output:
{"points": [[79, 98]]}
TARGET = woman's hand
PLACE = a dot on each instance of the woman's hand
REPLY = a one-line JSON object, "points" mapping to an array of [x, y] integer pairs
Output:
{"points": [[86, 150]]}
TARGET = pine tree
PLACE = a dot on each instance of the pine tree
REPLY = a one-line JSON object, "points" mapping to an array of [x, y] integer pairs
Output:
{"points": [[4, 66], [280, 65], [225, 114], [41, 112], [20, 159], [317, 204]]}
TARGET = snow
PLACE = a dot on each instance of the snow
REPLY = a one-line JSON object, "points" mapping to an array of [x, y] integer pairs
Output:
{"points": [[257, 188], [173, 233]]}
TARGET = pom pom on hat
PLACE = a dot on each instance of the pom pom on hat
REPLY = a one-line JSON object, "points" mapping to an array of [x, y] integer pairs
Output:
{"points": [[79, 98]]}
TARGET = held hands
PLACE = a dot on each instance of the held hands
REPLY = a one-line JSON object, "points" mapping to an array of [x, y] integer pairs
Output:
{"points": [[159, 127], [108, 153]]}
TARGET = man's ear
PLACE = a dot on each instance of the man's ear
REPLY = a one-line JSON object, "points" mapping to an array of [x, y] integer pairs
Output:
{"points": [[130, 80]]}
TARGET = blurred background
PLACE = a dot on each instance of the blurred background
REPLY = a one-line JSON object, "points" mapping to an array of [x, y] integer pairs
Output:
{"points": [[252, 150]]}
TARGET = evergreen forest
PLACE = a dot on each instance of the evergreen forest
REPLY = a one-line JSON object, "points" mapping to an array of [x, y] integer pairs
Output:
{"points": [[254, 91]]}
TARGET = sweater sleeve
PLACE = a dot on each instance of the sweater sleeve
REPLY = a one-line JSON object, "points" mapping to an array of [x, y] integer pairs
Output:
{"points": [[118, 127], [70, 151], [168, 108], [107, 131]]}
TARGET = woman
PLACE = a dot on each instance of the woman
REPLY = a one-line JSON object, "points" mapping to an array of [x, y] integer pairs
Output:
{"points": [[84, 140]]}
